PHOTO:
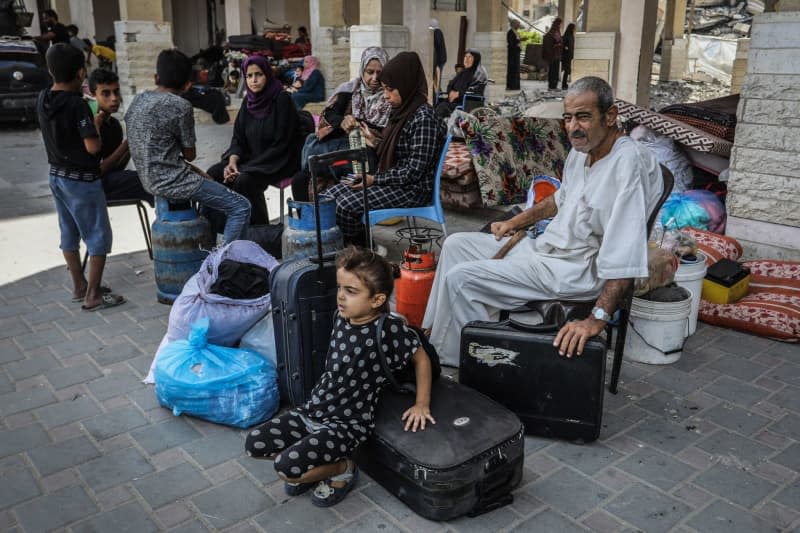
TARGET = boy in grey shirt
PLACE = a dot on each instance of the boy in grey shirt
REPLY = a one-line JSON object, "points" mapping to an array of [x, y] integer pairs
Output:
{"points": [[160, 127]]}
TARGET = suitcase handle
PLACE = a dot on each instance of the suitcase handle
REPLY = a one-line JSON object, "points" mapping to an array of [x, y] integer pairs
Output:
{"points": [[528, 328]]}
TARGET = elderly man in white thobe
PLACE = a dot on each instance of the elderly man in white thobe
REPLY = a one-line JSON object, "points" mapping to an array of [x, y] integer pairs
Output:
{"points": [[593, 248]]}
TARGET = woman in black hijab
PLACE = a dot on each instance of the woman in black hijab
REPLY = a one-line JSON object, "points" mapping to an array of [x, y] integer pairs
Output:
{"points": [[407, 151], [470, 80]]}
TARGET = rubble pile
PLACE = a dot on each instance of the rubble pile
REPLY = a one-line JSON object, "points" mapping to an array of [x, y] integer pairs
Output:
{"points": [[723, 18], [664, 93]]}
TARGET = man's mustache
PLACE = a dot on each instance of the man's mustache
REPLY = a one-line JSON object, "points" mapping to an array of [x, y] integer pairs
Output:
{"points": [[577, 135]]}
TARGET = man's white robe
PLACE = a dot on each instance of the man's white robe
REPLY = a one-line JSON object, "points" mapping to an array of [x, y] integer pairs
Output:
{"points": [[598, 234]]}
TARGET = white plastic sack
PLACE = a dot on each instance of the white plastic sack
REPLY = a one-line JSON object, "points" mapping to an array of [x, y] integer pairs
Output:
{"points": [[668, 154], [229, 319], [261, 338]]}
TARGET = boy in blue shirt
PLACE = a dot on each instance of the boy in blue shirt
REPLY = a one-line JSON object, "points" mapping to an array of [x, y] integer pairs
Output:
{"points": [[73, 146]]}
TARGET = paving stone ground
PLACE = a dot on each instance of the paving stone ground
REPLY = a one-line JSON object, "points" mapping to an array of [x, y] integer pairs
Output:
{"points": [[711, 443]]}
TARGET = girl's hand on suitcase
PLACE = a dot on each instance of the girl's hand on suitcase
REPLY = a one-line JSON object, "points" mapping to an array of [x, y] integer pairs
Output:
{"points": [[416, 416], [573, 336]]}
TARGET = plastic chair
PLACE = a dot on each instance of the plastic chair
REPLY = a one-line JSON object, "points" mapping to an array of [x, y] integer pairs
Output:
{"points": [[144, 220], [433, 212], [283, 184], [581, 309]]}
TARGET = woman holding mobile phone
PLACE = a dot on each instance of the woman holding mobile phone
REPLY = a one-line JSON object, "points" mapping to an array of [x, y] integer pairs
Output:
{"points": [[358, 101], [407, 150]]}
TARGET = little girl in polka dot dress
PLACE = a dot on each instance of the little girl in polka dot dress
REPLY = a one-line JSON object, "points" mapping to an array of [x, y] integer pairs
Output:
{"points": [[311, 444]]}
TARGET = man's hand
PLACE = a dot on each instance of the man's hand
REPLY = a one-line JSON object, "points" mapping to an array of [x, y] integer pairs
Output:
{"points": [[573, 336], [502, 229], [416, 416]]}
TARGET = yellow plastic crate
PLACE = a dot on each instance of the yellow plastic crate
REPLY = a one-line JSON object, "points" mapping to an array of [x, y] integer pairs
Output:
{"points": [[720, 294]]}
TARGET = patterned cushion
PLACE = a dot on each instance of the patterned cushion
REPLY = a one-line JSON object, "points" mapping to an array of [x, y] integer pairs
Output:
{"points": [[457, 162], [715, 246], [461, 196], [771, 307], [685, 134], [507, 152]]}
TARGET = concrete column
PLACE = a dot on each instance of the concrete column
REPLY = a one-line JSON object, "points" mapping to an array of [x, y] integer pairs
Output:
{"points": [[491, 25], [329, 41], [82, 15], [417, 18], [62, 7], [740, 65], [237, 17], [568, 10], [635, 57], [152, 10], [139, 41], [602, 15], [674, 46], [763, 200], [381, 25]]}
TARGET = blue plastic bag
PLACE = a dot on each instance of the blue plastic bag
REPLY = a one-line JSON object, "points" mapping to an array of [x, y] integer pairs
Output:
{"points": [[694, 208], [229, 386]]}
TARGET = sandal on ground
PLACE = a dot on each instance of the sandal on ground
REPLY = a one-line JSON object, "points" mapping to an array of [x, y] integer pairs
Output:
{"points": [[103, 290], [333, 490], [108, 300], [296, 489]]}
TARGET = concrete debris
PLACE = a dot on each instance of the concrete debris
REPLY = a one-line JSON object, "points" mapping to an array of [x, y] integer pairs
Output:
{"points": [[664, 93], [723, 18]]}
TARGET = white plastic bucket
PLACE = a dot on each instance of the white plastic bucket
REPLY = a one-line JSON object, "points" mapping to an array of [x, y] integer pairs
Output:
{"points": [[690, 277], [657, 330]]}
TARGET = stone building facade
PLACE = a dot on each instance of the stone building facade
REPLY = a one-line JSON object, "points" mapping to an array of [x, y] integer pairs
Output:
{"points": [[764, 188]]}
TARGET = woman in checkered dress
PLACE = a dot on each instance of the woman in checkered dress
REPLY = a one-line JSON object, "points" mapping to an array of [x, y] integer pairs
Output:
{"points": [[407, 152]]}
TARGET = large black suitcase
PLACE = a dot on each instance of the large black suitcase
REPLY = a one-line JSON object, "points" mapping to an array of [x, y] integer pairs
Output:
{"points": [[466, 463], [518, 366], [304, 302]]}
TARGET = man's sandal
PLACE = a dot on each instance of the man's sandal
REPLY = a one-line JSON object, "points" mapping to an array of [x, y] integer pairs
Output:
{"points": [[103, 290], [333, 490]]}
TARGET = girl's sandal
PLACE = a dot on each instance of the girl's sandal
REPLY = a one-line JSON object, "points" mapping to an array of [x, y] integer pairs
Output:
{"points": [[333, 490], [296, 489]]}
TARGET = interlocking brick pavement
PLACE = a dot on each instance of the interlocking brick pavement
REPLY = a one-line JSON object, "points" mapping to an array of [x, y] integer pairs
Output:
{"points": [[711, 443]]}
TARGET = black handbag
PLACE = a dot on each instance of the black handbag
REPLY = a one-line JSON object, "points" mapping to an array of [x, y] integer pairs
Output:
{"points": [[268, 236]]}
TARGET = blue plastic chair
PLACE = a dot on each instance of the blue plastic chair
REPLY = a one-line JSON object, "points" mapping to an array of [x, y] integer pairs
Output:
{"points": [[433, 212]]}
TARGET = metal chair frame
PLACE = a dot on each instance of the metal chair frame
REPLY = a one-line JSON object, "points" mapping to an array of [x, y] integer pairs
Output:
{"points": [[144, 220]]}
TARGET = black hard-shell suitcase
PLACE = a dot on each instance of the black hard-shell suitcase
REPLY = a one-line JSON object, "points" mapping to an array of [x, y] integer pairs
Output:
{"points": [[303, 304], [517, 365], [466, 463]]}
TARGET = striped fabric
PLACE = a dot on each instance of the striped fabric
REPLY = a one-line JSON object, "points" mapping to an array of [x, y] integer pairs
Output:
{"points": [[685, 134]]}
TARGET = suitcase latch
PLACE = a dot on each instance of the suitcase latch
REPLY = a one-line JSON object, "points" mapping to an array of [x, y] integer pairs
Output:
{"points": [[423, 470], [495, 461]]}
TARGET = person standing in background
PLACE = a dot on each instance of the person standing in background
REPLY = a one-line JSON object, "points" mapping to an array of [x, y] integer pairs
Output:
{"points": [[302, 36], [568, 52], [439, 56], [552, 47], [512, 71]]}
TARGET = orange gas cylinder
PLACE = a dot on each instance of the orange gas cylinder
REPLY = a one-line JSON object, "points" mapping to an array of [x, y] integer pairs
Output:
{"points": [[416, 279]]}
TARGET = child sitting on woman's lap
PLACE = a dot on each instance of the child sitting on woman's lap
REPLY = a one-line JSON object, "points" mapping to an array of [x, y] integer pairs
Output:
{"points": [[312, 443]]}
